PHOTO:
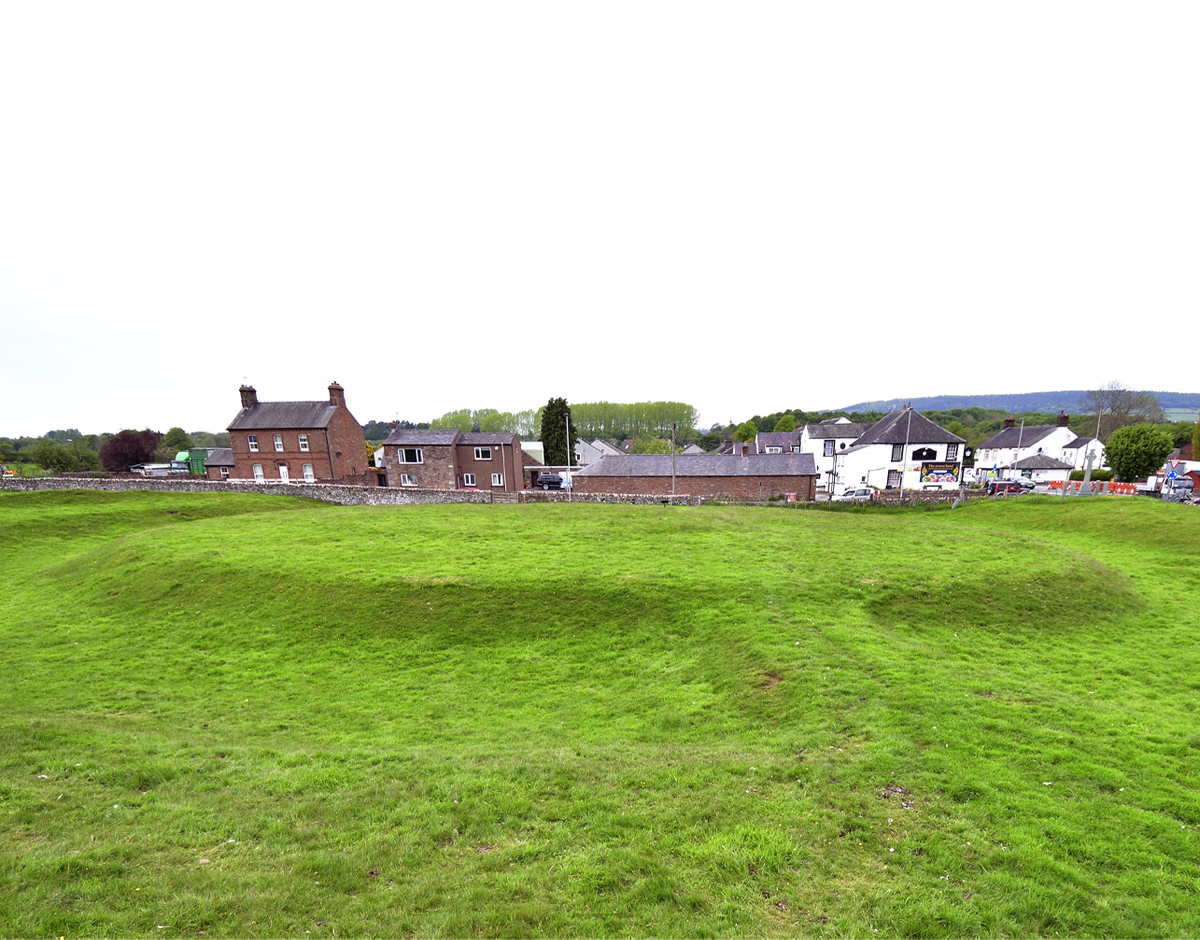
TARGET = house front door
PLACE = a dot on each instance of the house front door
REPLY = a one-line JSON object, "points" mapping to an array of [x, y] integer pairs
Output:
{"points": [[893, 482], [283, 472]]}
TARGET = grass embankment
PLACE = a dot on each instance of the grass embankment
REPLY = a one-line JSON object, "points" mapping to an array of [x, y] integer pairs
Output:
{"points": [[253, 716]]}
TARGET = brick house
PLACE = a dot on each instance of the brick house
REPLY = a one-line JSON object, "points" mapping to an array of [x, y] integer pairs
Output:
{"points": [[449, 459], [742, 475], [218, 465], [297, 440]]}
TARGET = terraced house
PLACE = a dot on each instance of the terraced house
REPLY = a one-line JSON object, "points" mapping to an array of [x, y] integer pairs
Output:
{"points": [[294, 441]]}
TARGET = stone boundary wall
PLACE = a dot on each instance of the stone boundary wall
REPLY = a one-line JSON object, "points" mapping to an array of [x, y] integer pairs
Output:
{"points": [[634, 499], [326, 492], [344, 495], [912, 497]]}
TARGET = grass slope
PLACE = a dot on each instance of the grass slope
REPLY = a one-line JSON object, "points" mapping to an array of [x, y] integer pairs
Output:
{"points": [[254, 716]]}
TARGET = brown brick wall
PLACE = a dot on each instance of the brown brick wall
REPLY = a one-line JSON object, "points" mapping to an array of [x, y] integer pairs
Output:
{"points": [[503, 461], [711, 487], [346, 438], [318, 454]]}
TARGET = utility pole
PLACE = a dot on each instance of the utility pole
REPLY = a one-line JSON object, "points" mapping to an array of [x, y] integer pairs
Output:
{"points": [[672, 459], [1020, 438], [903, 462]]}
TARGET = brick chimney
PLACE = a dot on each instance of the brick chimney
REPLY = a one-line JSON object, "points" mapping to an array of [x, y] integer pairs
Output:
{"points": [[1061, 421], [337, 396], [249, 396], [1010, 422]]}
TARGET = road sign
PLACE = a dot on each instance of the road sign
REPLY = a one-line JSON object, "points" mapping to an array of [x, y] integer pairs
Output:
{"points": [[1174, 462], [1171, 475]]}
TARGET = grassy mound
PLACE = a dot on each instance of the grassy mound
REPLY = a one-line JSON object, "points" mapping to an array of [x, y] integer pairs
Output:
{"points": [[245, 716]]}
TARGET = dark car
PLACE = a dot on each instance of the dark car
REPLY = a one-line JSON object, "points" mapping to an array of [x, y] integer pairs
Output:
{"points": [[550, 481], [1004, 488]]}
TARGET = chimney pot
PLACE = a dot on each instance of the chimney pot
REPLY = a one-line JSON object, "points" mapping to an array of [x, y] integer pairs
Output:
{"points": [[337, 395], [1062, 420], [249, 396], [1010, 422]]}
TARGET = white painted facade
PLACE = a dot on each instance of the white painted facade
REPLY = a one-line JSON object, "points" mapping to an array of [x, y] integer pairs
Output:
{"points": [[1040, 441], [883, 466], [826, 444]]}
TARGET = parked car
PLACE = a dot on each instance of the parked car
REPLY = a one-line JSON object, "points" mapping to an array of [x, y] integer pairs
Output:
{"points": [[855, 494], [1177, 490], [1004, 488], [1026, 483], [550, 481]]}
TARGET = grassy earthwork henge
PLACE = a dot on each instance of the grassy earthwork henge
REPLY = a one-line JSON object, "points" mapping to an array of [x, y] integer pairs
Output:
{"points": [[249, 716]]}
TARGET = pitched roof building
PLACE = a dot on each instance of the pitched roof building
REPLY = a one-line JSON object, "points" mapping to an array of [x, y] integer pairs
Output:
{"points": [[1014, 443], [449, 459], [903, 449], [717, 476], [296, 440]]}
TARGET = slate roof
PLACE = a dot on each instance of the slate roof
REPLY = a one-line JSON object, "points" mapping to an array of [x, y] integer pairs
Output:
{"points": [[424, 437], [785, 439], [894, 429], [1079, 443], [829, 429], [219, 457], [475, 438], [1009, 436], [702, 465], [278, 415], [1041, 462]]}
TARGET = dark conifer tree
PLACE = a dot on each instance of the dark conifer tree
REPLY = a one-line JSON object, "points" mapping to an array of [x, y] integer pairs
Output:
{"points": [[556, 447]]}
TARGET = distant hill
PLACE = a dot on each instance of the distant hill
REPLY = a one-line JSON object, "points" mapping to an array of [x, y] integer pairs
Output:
{"points": [[1177, 405]]}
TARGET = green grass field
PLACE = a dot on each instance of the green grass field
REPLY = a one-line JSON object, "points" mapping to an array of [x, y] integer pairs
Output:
{"points": [[229, 715]]}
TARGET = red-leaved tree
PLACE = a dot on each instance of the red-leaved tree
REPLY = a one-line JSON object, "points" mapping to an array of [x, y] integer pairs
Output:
{"points": [[126, 448]]}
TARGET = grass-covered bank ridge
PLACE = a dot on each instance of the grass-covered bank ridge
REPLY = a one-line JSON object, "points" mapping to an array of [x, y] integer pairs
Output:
{"points": [[240, 715]]}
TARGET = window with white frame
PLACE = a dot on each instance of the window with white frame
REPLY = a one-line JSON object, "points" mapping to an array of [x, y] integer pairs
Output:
{"points": [[408, 479], [483, 453], [409, 455], [224, 473], [258, 474], [829, 447], [497, 479], [897, 452], [308, 473], [774, 450], [304, 442], [952, 452], [468, 479], [279, 442], [252, 440]]}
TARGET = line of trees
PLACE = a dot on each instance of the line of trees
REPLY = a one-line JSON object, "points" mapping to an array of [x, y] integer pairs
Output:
{"points": [[68, 450], [522, 423], [616, 421]]}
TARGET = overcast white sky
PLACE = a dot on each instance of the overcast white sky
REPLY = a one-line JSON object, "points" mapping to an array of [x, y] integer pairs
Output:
{"points": [[747, 207]]}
